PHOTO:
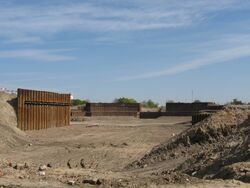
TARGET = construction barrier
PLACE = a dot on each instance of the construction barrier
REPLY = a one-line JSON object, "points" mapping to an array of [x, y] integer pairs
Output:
{"points": [[200, 117], [41, 109], [189, 109], [150, 115], [112, 109]]}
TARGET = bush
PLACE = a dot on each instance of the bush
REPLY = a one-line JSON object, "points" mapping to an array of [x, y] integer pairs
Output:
{"points": [[197, 101], [236, 102], [77, 102], [149, 104], [125, 100], [170, 101]]}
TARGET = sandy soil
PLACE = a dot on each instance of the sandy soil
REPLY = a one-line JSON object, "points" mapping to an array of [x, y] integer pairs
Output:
{"points": [[95, 152]]}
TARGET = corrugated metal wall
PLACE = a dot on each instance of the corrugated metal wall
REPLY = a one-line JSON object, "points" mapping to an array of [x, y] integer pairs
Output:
{"points": [[41, 109]]}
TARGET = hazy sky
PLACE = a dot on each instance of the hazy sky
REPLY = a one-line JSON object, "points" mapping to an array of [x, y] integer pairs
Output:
{"points": [[145, 49]]}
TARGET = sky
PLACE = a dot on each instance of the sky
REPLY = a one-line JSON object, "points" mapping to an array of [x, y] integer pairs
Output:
{"points": [[104, 49]]}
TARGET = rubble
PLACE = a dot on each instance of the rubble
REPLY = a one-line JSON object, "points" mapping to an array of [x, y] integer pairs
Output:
{"points": [[42, 168]]}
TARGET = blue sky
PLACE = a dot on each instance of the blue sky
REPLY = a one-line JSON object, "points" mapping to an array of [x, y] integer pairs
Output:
{"points": [[104, 49]]}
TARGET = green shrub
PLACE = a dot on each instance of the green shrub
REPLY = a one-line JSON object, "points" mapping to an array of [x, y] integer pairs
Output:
{"points": [[125, 100], [236, 102], [149, 104], [77, 102]]}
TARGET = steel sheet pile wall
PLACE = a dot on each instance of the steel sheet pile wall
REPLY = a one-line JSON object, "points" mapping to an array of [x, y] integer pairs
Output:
{"points": [[41, 109], [200, 117], [189, 109], [112, 109]]}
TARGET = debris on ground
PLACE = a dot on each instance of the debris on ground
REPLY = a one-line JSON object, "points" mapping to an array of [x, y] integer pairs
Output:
{"points": [[94, 181]]}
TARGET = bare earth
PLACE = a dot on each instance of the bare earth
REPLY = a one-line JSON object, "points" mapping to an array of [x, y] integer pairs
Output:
{"points": [[95, 151]]}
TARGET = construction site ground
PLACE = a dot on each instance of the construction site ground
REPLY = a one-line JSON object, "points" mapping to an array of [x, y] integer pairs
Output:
{"points": [[96, 153]]}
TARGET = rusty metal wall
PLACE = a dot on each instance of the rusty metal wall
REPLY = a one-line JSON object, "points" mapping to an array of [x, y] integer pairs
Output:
{"points": [[41, 109], [200, 117], [190, 108]]}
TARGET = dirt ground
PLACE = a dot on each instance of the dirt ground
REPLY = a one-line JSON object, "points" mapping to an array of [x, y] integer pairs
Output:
{"points": [[94, 153]]}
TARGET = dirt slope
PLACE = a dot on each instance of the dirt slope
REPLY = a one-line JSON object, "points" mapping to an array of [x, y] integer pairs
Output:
{"points": [[10, 135], [7, 112], [218, 147]]}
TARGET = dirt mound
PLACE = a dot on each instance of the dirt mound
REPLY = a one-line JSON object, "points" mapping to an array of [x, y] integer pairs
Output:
{"points": [[10, 135], [7, 109], [238, 171], [206, 148]]}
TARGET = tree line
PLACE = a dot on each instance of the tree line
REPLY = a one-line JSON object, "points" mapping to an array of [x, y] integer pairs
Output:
{"points": [[146, 103], [123, 100]]}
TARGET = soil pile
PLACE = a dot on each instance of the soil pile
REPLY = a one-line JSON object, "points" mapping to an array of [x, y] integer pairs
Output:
{"points": [[7, 109], [10, 135], [218, 147]]}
